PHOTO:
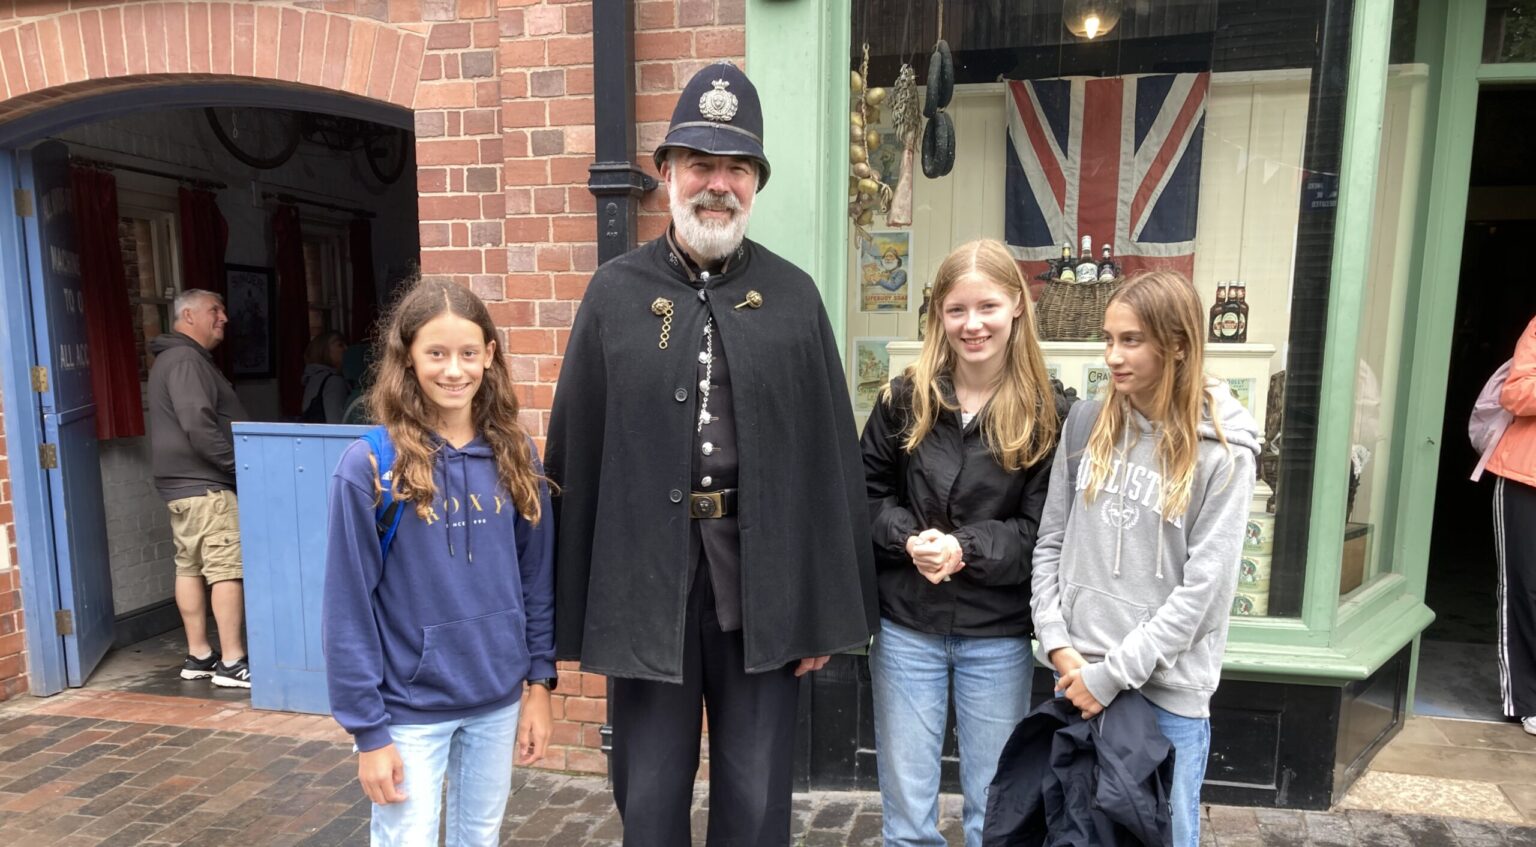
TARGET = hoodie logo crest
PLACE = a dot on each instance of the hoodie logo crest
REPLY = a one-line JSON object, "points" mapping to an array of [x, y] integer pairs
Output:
{"points": [[1118, 516]]}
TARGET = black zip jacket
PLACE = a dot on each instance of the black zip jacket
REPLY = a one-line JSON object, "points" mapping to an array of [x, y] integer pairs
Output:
{"points": [[1065, 782], [952, 484]]}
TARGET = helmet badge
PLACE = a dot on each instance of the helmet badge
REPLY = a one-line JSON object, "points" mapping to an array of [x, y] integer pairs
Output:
{"points": [[718, 104]]}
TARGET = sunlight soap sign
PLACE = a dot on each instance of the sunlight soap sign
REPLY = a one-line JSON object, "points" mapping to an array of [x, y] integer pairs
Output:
{"points": [[885, 260]]}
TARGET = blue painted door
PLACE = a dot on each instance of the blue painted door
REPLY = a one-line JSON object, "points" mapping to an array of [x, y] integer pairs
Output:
{"points": [[68, 410]]}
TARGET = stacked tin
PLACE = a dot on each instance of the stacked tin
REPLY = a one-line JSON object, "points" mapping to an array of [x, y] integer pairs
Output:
{"points": [[1252, 598]]}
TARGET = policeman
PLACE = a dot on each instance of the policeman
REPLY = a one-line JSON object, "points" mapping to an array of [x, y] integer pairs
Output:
{"points": [[713, 530]]}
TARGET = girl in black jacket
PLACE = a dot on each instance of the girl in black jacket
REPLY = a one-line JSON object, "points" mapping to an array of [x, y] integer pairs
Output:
{"points": [[956, 456]]}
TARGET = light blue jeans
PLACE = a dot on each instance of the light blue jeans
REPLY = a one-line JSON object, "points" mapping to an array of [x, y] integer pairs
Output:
{"points": [[1191, 740], [911, 672], [476, 756]]}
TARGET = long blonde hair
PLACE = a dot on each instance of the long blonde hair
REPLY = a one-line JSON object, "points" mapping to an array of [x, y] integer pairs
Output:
{"points": [[1020, 423], [1166, 305], [397, 401]]}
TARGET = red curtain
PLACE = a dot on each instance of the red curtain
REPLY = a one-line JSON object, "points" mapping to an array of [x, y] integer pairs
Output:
{"points": [[292, 309], [204, 238], [365, 297], [108, 315]]}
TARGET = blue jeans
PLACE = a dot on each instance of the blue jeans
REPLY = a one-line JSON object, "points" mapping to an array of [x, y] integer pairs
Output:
{"points": [[911, 673], [476, 755], [1191, 740]]}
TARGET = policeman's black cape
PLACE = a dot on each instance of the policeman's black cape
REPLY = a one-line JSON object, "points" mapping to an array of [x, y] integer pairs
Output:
{"points": [[1065, 782], [620, 443]]}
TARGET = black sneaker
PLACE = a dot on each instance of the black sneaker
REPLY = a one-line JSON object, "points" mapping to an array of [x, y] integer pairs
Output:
{"points": [[237, 675], [195, 668]]}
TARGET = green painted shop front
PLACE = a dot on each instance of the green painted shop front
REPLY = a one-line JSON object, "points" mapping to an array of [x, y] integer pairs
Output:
{"points": [[1314, 689]]}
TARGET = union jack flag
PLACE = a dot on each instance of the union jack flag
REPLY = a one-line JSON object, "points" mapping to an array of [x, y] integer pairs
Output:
{"points": [[1117, 159]]}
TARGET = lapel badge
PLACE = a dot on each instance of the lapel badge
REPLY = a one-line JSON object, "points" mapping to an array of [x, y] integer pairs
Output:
{"points": [[754, 301], [661, 307], [718, 104]]}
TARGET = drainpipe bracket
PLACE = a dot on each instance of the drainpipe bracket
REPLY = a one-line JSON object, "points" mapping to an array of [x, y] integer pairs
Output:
{"points": [[606, 179]]}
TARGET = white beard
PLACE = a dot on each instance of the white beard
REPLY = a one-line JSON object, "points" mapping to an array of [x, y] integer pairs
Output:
{"points": [[709, 240]]}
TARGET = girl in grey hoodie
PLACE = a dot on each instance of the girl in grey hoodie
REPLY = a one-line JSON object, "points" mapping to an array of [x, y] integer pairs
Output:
{"points": [[1137, 558]]}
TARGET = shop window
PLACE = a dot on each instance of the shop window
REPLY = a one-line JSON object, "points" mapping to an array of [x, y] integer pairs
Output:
{"points": [[1509, 31], [324, 271], [1202, 136], [148, 241]]}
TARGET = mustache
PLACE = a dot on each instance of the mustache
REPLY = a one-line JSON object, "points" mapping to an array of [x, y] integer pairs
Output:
{"points": [[707, 199]]}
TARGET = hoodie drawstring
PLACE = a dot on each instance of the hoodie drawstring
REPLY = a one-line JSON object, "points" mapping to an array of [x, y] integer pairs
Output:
{"points": [[469, 522], [1125, 458]]}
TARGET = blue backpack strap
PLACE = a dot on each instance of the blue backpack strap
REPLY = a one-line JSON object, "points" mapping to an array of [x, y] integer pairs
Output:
{"points": [[386, 517]]}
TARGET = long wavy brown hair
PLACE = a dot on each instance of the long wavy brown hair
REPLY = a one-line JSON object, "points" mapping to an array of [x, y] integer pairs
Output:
{"points": [[1169, 311], [397, 401], [1019, 425]]}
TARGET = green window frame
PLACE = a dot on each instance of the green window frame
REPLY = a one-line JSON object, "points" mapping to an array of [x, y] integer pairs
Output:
{"points": [[797, 54]]}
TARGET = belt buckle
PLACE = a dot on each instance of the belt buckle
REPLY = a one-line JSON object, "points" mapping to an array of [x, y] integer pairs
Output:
{"points": [[706, 504]]}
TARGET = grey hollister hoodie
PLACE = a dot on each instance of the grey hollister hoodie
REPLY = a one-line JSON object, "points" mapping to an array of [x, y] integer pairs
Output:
{"points": [[1145, 599]]}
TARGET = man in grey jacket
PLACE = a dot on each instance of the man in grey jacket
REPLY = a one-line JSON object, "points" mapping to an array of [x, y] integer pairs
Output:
{"points": [[191, 406]]}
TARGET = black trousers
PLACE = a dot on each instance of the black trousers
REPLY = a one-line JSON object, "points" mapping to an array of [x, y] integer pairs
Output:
{"points": [[1514, 538], [656, 731]]}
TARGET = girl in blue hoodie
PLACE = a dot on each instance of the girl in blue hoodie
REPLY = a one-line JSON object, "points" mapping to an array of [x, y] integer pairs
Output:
{"points": [[1137, 558], [428, 649]]}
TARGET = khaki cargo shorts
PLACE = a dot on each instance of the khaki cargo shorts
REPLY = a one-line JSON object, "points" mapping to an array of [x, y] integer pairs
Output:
{"points": [[207, 533]]}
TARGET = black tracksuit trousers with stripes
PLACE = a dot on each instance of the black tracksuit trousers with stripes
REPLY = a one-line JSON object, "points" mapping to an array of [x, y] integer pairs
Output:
{"points": [[1514, 537]]}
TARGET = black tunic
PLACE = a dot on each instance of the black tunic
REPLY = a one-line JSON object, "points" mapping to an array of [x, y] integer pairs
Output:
{"points": [[622, 447]]}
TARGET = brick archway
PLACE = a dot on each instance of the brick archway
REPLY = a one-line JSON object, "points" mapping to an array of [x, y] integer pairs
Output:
{"points": [[444, 70], [53, 59]]}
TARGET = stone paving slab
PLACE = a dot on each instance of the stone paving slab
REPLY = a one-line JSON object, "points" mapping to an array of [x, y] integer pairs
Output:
{"points": [[89, 780]]}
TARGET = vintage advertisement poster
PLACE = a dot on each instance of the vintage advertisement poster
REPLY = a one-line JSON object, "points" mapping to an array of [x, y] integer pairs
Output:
{"points": [[871, 370], [885, 260], [1242, 389], [1097, 382]]}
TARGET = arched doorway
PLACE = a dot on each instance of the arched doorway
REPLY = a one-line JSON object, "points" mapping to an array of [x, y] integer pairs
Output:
{"points": [[71, 544]]}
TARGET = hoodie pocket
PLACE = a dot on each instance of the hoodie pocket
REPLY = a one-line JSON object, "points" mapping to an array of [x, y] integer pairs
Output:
{"points": [[470, 662], [1098, 621]]}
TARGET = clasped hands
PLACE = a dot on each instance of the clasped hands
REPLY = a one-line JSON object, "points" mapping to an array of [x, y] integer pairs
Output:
{"points": [[936, 555]]}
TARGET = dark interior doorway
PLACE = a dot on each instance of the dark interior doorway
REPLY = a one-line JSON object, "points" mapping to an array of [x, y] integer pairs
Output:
{"points": [[1458, 673]]}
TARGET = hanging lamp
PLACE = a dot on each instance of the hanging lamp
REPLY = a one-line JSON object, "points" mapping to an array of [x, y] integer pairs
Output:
{"points": [[1090, 19]]}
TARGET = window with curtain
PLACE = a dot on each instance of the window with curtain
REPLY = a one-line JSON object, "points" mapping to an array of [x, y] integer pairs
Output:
{"points": [[325, 273], [148, 240]]}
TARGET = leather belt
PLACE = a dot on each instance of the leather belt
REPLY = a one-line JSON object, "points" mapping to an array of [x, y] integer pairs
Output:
{"points": [[707, 505]]}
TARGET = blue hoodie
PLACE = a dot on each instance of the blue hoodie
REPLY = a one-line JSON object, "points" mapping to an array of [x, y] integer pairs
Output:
{"points": [[456, 620]]}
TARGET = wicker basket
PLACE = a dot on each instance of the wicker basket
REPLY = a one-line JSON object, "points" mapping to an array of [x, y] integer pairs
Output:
{"points": [[1073, 311]]}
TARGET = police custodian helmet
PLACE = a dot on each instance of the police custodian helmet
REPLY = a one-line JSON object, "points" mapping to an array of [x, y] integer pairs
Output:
{"points": [[718, 113]]}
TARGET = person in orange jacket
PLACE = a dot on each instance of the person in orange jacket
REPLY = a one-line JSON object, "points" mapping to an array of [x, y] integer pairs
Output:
{"points": [[1514, 528]]}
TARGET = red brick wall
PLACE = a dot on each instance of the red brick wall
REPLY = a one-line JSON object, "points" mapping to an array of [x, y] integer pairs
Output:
{"points": [[13, 664], [502, 94]]}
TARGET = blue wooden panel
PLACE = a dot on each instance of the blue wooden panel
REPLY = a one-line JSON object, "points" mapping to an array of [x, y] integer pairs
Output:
{"points": [[284, 473], [23, 433], [68, 409]]}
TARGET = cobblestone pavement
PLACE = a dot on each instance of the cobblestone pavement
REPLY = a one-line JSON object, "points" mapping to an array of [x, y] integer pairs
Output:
{"points": [[82, 780]]}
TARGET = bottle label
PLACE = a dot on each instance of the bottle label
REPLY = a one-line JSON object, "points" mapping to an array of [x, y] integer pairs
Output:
{"points": [[1087, 271], [1228, 326], [1067, 274]]}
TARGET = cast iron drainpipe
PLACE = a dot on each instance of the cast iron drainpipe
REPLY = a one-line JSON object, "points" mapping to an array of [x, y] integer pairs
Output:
{"points": [[613, 178]]}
